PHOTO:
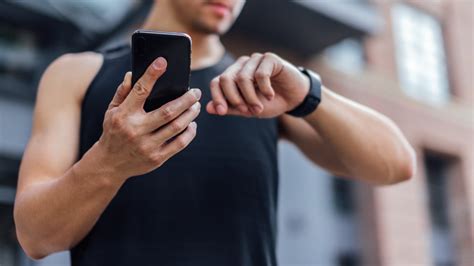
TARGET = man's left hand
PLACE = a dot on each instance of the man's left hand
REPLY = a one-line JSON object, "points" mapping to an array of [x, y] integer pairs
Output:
{"points": [[263, 85]]}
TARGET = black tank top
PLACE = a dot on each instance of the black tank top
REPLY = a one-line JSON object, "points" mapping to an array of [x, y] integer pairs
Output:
{"points": [[213, 204]]}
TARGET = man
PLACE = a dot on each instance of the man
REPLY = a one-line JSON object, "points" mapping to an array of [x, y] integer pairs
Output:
{"points": [[102, 177]]}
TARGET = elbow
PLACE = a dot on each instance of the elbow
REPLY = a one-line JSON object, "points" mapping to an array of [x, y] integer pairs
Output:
{"points": [[402, 168], [33, 253], [28, 245], [39, 249], [35, 248], [30, 248]]}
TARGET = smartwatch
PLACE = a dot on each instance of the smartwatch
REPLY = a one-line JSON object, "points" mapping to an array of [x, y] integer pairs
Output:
{"points": [[312, 100]]}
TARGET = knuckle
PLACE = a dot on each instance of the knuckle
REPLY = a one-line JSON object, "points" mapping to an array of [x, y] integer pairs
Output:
{"points": [[189, 99], [140, 89], [157, 159], [151, 72], [270, 55], [142, 149], [242, 77], [225, 78], [239, 101], [256, 54], [252, 99], [181, 142], [177, 126], [116, 119], [244, 58], [215, 81], [130, 134], [260, 75], [235, 100], [166, 112]]}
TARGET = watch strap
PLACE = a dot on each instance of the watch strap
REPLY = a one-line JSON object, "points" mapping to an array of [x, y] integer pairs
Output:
{"points": [[312, 99]]}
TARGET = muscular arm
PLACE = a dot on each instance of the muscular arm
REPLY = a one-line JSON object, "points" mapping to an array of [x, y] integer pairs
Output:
{"points": [[352, 140], [59, 200], [342, 136], [52, 199]]}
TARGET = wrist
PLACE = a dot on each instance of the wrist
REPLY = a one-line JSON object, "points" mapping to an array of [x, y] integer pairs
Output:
{"points": [[303, 89], [315, 117], [95, 167], [312, 99]]}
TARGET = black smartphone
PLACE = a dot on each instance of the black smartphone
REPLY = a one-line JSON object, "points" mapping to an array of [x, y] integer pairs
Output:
{"points": [[175, 47]]}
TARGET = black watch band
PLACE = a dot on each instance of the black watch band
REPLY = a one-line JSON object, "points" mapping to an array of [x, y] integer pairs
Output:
{"points": [[312, 100]]}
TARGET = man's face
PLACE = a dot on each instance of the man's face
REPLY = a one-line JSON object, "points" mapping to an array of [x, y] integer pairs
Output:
{"points": [[207, 16]]}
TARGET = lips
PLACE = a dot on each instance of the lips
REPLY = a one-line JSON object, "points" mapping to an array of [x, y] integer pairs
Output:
{"points": [[220, 8], [225, 4]]}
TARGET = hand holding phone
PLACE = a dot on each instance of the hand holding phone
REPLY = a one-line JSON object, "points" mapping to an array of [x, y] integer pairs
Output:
{"points": [[134, 142], [176, 49]]}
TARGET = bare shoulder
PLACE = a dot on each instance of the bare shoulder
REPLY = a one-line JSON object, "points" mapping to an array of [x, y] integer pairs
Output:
{"points": [[54, 140], [69, 76]]}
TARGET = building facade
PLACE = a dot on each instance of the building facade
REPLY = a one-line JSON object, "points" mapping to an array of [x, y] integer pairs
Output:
{"points": [[410, 60], [416, 68]]}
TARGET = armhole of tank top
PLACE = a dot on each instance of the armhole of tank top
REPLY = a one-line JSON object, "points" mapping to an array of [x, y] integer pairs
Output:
{"points": [[93, 81]]}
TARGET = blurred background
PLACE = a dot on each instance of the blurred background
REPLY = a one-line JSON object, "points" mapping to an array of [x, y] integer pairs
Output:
{"points": [[411, 60]]}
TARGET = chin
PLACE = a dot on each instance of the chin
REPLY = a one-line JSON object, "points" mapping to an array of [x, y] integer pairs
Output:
{"points": [[213, 24], [221, 27], [211, 28]]}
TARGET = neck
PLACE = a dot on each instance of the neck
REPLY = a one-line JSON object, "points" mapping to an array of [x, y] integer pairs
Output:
{"points": [[207, 49]]}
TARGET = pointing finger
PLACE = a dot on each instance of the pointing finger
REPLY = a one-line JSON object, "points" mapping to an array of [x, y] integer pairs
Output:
{"points": [[142, 88]]}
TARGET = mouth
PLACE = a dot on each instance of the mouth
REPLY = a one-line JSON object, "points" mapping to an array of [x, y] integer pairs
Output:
{"points": [[219, 8]]}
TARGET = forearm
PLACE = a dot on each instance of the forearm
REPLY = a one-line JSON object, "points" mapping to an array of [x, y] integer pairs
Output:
{"points": [[55, 215], [368, 144]]}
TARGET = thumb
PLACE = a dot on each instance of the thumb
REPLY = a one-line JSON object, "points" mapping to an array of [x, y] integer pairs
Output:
{"points": [[122, 91]]}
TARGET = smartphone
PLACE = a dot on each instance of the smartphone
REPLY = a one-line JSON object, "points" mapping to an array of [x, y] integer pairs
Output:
{"points": [[175, 47]]}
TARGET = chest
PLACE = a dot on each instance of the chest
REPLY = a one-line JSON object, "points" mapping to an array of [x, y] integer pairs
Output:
{"points": [[239, 136]]}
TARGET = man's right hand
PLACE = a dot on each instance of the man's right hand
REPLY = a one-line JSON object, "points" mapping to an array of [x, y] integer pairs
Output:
{"points": [[60, 198], [135, 142]]}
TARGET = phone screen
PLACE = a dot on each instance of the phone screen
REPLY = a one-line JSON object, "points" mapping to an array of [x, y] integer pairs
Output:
{"points": [[176, 49]]}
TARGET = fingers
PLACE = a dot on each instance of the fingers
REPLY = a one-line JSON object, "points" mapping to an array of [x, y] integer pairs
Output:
{"points": [[168, 112], [219, 84], [122, 91], [264, 72], [219, 104], [229, 87], [232, 94], [245, 81], [177, 126], [180, 142], [142, 88], [230, 111], [244, 85]]}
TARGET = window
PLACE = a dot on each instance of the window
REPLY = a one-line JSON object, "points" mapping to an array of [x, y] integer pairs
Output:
{"points": [[347, 56], [420, 55], [442, 243]]}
